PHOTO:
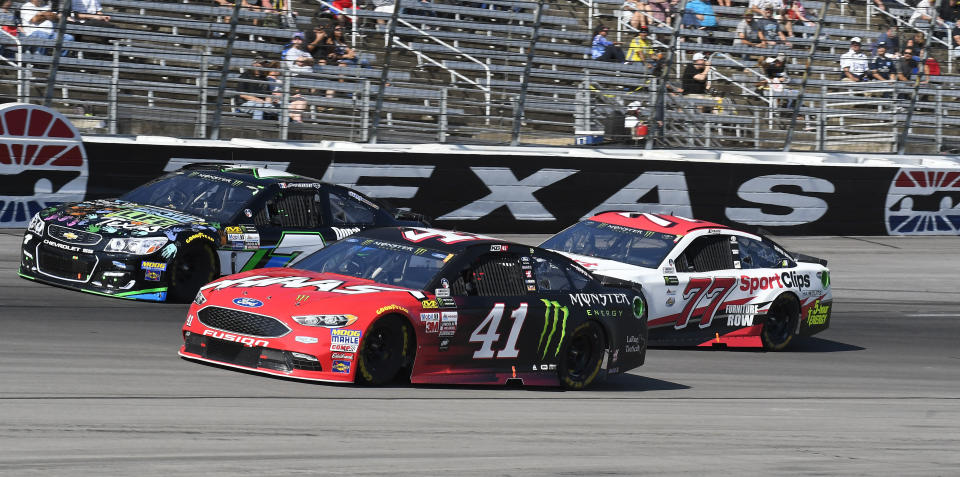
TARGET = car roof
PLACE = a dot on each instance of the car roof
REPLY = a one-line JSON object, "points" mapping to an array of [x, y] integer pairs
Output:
{"points": [[256, 175], [444, 240], [668, 224]]}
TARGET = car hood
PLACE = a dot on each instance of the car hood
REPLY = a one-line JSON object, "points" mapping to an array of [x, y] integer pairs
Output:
{"points": [[612, 268], [119, 218], [286, 291]]}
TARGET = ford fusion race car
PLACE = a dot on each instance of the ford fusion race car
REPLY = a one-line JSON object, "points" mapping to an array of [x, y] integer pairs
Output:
{"points": [[165, 239], [706, 284], [444, 307]]}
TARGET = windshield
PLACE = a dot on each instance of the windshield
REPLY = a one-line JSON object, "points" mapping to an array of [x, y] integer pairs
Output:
{"points": [[384, 262], [215, 198], [643, 248]]}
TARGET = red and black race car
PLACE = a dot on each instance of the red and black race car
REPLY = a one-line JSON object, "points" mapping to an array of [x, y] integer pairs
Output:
{"points": [[443, 307]]}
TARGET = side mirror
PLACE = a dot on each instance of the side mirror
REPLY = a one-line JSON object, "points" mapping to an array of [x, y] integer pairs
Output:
{"points": [[274, 213]]}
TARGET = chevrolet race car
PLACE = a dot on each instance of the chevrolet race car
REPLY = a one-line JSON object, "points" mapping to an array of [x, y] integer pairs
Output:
{"points": [[706, 284], [165, 239], [443, 307]]}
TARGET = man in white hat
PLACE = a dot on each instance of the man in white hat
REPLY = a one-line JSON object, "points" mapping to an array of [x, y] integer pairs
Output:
{"points": [[853, 63]]}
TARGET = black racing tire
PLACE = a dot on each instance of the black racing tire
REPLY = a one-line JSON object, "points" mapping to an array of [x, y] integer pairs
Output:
{"points": [[780, 322], [193, 267], [582, 356], [386, 348]]}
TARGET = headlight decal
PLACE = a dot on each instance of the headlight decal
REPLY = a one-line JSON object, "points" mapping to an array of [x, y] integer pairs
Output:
{"points": [[326, 321]]}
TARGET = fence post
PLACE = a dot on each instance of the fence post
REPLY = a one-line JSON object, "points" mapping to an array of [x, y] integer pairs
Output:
{"points": [[902, 137], [225, 72], [114, 95], [285, 103], [939, 113], [518, 113], [201, 129], [442, 135], [384, 72], [365, 113], [659, 116], [798, 102], [65, 9]]}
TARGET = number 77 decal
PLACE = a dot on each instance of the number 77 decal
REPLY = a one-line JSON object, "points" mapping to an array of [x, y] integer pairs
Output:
{"points": [[710, 290]]}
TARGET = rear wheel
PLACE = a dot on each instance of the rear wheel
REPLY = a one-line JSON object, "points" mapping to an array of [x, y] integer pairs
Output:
{"points": [[582, 356], [386, 348], [779, 323], [193, 267]]}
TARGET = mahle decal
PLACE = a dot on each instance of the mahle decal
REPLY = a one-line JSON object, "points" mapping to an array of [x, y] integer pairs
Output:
{"points": [[552, 324]]}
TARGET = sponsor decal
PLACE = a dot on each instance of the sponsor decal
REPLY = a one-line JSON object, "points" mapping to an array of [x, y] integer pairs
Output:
{"points": [[345, 341], [924, 202], [446, 303], [615, 356], [633, 344], [601, 299], [67, 247], [343, 233], [151, 275], [244, 340], [442, 292], [431, 322], [638, 307], [306, 339], [428, 304], [387, 308], [247, 302], [498, 248], [817, 314], [671, 301], [189, 319], [199, 236], [741, 315], [784, 280], [444, 344], [448, 323], [445, 283], [551, 323], [341, 356], [335, 286], [235, 237], [233, 231], [341, 366], [605, 313], [154, 266], [671, 281]]}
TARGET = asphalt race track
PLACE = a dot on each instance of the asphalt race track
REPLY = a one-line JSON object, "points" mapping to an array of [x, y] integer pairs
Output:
{"points": [[93, 386]]}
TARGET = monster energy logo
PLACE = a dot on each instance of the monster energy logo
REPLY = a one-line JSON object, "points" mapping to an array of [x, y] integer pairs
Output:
{"points": [[552, 324]]}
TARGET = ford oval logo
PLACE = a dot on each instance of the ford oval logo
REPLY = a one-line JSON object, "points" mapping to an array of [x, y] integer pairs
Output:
{"points": [[248, 302]]}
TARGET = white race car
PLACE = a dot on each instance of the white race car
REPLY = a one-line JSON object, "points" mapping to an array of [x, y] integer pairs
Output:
{"points": [[705, 284]]}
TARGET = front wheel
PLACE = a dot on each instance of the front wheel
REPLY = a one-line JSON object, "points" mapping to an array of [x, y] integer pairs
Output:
{"points": [[386, 348], [779, 323], [582, 357], [192, 268]]}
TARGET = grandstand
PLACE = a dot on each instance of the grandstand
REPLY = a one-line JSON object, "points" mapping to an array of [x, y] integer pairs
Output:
{"points": [[461, 72]]}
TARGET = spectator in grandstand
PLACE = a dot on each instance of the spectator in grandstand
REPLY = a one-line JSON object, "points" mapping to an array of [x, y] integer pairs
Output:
{"points": [[696, 76], [749, 32], [796, 12], [909, 65], [699, 15], [341, 54], [659, 10], [854, 63], [243, 4], [758, 6], [8, 18], [315, 41], [296, 104], [917, 42], [925, 11], [772, 35], [255, 91], [383, 6], [37, 19], [890, 36], [950, 11], [603, 49], [297, 58], [641, 48], [632, 13], [89, 12], [882, 67]]}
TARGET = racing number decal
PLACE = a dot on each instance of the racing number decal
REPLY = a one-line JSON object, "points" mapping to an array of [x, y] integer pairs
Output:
{"points": [[712, 289], [486, 333]]}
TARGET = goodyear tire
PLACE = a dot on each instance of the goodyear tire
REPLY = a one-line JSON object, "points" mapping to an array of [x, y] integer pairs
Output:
{"points": [[582, 356], [193, 267], [386, 348], [780, 322]]}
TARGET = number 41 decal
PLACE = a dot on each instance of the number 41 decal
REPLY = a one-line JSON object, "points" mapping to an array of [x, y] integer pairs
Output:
{"points": [[491, 324], [711, 290]]}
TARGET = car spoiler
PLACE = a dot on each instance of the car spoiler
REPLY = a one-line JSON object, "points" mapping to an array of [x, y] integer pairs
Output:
{"points": [[808, 259]]}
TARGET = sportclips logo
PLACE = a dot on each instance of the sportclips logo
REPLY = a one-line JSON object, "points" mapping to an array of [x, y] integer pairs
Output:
{"points": [[924, 202], [42, 162]]}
